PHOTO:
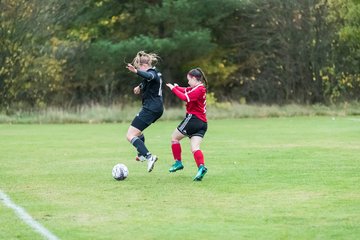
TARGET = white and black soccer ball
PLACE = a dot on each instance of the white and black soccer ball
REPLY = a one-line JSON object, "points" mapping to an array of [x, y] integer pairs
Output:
{"points": [[120, 172]]}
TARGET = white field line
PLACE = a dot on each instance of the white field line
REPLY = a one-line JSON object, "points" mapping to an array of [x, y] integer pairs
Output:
{"points": [[23, 215]]}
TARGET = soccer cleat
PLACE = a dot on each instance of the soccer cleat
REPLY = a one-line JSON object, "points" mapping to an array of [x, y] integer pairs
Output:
{"points": [[151, 162], [176, 166], [140, 158], [201, 173]]}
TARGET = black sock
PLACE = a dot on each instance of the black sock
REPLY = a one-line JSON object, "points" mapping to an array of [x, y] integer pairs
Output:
{"points": [[142, 138], [140, 146]]}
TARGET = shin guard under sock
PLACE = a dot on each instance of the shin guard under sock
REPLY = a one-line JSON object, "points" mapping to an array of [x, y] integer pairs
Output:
{"points": [[176, 150], [140, 146], [199, 157]]}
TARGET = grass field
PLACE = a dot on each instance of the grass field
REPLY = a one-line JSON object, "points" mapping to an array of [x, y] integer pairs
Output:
{"points": [[268, 178]]}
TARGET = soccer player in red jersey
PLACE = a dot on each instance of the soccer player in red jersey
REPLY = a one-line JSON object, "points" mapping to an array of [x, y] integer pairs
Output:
{"points": [[194, 125]]}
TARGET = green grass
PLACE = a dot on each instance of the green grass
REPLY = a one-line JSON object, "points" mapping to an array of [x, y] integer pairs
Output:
{"points": [[216, 110], [268, 178]]}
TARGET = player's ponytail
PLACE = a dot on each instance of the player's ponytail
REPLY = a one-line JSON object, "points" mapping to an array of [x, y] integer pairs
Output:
{"points": [[142, 57], [204, 79], [199, 74]]}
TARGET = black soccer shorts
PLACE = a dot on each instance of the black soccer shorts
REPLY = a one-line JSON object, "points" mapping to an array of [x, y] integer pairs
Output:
{"points": [[192, 126], [144, 118]]}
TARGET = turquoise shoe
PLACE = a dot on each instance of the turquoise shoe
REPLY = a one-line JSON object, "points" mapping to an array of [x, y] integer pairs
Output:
{"points": [[176, 166], [201, 173]]}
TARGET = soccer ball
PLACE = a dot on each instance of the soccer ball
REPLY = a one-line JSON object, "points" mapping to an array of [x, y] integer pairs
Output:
{"points": [[120, 172]]}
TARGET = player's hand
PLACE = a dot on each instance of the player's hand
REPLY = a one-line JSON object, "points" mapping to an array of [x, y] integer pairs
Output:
{"points": [[137, 90], [131, 68], [171, 86]]}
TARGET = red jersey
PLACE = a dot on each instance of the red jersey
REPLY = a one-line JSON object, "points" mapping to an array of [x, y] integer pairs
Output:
{"points": [[195, 98]]}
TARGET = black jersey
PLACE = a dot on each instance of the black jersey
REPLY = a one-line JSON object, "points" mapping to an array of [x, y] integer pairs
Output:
{"points": [[151, 90]]}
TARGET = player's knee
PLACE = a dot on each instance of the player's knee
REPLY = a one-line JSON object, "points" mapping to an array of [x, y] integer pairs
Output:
{"points": [[129, 136], [194, 149], [175, 137]]}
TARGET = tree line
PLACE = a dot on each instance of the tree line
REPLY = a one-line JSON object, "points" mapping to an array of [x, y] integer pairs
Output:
{"points": [[69, 53]]}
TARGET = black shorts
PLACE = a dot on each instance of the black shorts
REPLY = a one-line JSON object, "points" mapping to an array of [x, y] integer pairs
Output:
{"points": [[192, 126], [144, 118]]}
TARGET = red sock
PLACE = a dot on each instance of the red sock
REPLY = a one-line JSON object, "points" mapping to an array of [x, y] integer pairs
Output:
{"points": [[176, 150], [199, 157]]}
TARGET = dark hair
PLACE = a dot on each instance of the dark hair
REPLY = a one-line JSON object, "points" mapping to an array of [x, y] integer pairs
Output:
{"points": [[199, 74]]}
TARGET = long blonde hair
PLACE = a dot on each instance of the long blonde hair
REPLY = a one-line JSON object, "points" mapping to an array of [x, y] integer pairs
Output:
{"points": [[142, 57]]}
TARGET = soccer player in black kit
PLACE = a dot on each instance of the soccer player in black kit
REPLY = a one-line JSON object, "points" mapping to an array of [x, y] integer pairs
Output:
{"points": [[152, 103]]}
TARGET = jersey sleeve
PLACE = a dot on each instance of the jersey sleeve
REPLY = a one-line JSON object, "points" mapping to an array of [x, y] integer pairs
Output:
{"points": [[179, 93], [181, 89], [148, 75], [188, 95], [141, 85]]}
